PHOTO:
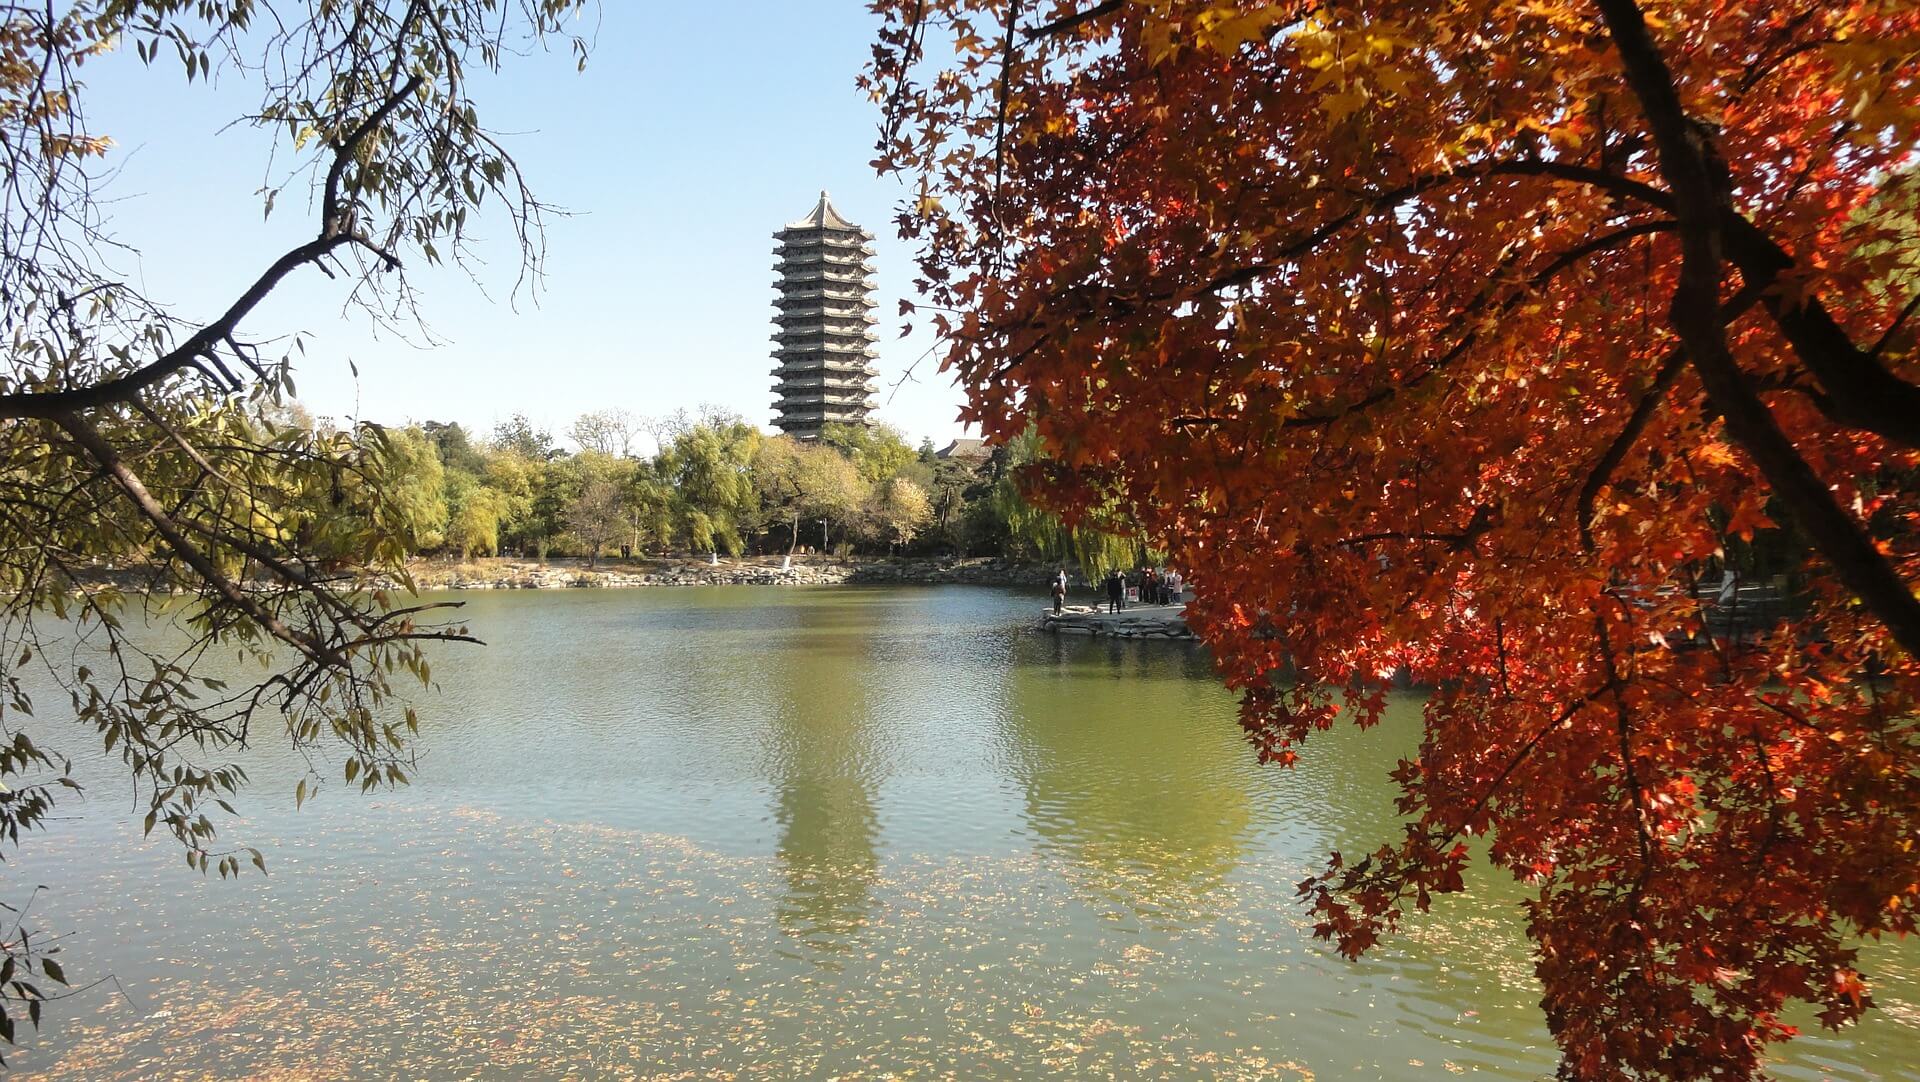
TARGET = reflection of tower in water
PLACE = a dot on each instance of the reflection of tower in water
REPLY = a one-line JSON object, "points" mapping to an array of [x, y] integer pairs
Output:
{"points": [[1150, 800], [822, 769]]}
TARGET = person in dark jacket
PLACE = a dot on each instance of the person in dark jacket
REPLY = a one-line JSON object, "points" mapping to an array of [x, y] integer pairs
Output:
{"points": [[1116, 590]]}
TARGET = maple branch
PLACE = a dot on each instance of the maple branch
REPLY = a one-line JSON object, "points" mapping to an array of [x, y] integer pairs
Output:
{"points": [[1623, 727], [891, 115], [1460, 541], [1392, 876], [1899, 321], [1078, 18], [1703, 201], [1453, 541], [1007, 53], [1539, 279], [1368, 205], [1860, 392], [1774, 810], [1571, 173], [1643, 411], [1392, 198], [1520, 756], [1765, 65]]}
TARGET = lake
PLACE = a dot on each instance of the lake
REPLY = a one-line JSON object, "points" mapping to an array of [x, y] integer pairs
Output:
{"points": [[802, 832]]}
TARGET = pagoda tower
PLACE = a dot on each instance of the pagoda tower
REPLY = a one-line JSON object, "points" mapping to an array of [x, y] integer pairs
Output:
{"points": [[825, 349]]}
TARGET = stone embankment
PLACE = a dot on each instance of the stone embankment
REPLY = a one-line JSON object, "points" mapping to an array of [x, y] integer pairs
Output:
{"points": [[574, 574], [1139, 622]]}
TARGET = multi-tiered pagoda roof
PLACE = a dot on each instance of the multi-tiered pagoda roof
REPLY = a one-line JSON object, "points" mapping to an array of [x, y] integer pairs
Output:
{"points": [[825, 342]]}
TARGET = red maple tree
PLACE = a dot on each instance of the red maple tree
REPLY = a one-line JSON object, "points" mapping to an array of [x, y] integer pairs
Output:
{"points": [[1465, 338]]}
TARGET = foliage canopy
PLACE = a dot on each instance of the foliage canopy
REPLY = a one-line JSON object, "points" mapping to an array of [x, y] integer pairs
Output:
{"points": [[1463, 338]]}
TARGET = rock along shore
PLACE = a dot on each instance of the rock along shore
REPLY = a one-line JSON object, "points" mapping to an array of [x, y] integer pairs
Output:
{"points": [[1166, 622], [506, 574]]}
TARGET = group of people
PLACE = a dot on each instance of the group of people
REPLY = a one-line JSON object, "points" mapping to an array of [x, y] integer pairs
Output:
{"points": [[1158, 586]]}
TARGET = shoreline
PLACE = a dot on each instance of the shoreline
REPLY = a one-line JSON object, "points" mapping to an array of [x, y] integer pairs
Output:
{"points": [[572, 573], [1163, 622]]}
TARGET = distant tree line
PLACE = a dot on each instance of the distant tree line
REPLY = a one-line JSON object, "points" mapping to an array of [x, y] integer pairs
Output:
{"points": [[716, 484]]}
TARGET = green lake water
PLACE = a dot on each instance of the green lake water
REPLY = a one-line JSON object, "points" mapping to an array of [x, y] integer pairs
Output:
{"points": [[802, 833]]}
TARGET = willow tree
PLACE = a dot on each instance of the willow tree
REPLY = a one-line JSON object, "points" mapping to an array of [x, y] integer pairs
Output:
{"points": [[1096, 535], [131, 435], [1462, 337], [708, 467]]}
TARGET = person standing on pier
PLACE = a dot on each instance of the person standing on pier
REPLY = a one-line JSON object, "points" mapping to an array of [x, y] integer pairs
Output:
{"points": [[1116, 590]]}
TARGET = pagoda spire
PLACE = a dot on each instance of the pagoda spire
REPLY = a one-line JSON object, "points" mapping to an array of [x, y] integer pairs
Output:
{"points": [[823, 216]]}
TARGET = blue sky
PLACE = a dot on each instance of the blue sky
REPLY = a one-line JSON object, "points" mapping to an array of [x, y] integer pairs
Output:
{"points": [[694, 133]]}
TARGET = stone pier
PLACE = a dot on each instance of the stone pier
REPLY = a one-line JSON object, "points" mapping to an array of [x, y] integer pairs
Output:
{"points": [[1135, 622]]}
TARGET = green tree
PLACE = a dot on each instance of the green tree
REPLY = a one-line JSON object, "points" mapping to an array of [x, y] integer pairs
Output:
{"points": [[554, 486], [879, 451], [518, 480], [649, 502], [778, 481], [475, 528], [475, 515], [522, 437], [406, 466], [952, 484], [898, 511], [807, 482], [1098, 541], [709, 468], [455, 446]]}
